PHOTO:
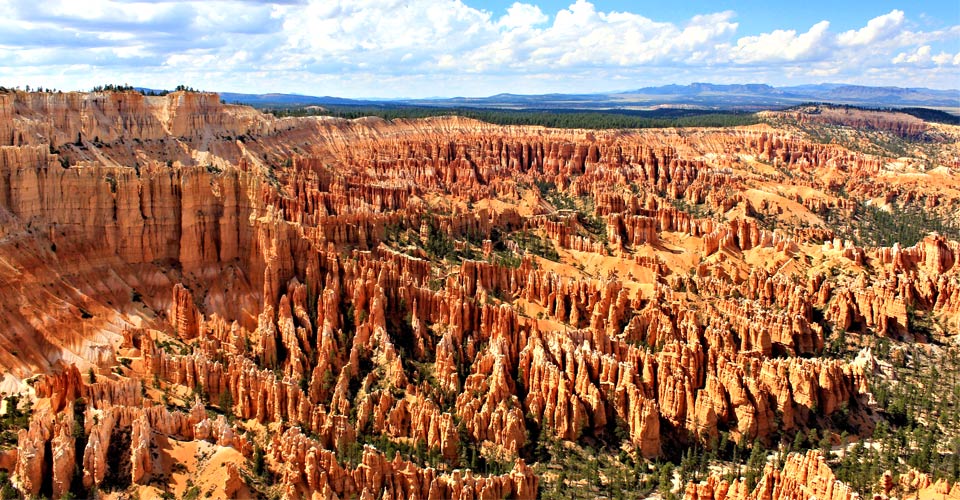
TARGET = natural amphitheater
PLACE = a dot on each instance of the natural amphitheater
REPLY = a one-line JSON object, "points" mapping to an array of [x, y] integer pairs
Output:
{"points": [[203, 300]]}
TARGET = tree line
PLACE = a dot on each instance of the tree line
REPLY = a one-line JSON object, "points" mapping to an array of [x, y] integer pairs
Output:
{"points": [[613, 119]]}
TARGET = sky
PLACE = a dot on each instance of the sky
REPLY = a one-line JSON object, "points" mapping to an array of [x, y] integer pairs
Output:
{"points": [[447, 48]]}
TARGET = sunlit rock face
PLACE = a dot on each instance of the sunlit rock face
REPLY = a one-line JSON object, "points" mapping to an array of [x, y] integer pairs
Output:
{"points": [[359, 308]]}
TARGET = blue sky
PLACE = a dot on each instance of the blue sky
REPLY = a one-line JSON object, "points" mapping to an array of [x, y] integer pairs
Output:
{"points": [[757, 16], [419, 48]]}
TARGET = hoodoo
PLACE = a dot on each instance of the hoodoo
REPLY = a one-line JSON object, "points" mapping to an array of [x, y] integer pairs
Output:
{"points": [[202, 299]]}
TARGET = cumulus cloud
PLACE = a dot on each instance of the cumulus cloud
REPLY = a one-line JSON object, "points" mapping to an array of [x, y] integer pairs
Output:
{"points": [[582, 37], [522, 16], [428, 47], [944, 58], [782, 45], [923, 56], [878, 28]]}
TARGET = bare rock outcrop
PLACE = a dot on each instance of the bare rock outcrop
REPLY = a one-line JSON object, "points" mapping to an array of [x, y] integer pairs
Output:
{"points": [[804, 476]]}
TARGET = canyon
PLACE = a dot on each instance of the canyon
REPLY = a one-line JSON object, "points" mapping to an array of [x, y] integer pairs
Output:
{"points": [[200, 298]]}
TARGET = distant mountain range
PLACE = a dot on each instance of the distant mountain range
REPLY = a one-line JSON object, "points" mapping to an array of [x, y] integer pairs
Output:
{"points": [[259, 100], [827, 92], [746, 97]]}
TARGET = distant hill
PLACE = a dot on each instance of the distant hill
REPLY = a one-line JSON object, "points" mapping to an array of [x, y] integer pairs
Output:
{"points": [[744, 97], [760, 89], [285, 100], [878, 95], [274, 100], [765, 95], [727, 97]]}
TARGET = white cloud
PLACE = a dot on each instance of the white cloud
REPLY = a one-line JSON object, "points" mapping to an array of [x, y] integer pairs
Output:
{"points": [[942, 58], [924, 57], [358, 28], [522, 16], [442, 47], [782, 45], [920, 56], [582, 37], [878, 28]]}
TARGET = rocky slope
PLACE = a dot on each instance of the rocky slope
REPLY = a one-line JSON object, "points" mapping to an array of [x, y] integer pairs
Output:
{"points": [[358, 308]]}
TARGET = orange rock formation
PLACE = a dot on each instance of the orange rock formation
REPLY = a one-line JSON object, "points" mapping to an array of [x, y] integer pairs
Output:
{"points": [[195, 257]]}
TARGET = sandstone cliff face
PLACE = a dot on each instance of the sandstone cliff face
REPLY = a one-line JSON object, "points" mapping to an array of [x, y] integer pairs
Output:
{"points": [[61, 118], [331, 285]]}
